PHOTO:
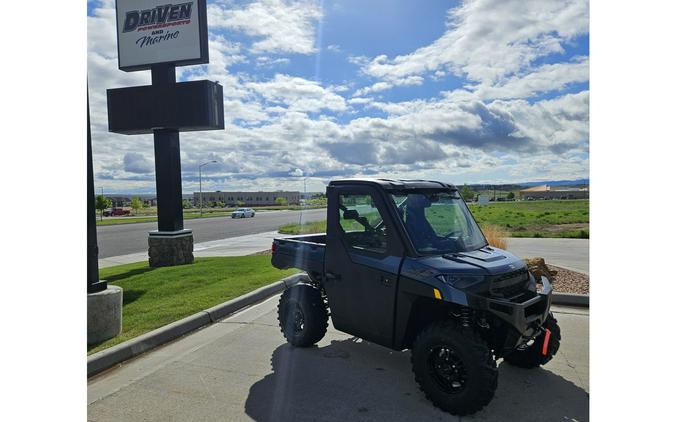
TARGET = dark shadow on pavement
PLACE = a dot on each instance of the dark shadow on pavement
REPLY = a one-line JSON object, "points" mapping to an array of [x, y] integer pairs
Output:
{"points": [[353, 380]]}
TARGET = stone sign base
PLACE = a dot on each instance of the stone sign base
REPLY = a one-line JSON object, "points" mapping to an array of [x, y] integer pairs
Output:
{"points": [[167, 249], [104, 314]]}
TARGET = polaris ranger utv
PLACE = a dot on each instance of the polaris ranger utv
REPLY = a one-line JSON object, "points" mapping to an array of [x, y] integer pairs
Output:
{"points": [[403, 264]]}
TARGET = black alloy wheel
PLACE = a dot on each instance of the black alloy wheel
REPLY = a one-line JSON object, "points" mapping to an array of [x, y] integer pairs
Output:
{"points": [[447, 369]]}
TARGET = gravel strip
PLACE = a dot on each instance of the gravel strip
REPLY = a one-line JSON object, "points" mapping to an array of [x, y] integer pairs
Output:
{"points": [[566, 281]]}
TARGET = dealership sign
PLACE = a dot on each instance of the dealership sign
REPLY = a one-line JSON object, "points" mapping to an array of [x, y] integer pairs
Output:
{"points": [[154, 31]]}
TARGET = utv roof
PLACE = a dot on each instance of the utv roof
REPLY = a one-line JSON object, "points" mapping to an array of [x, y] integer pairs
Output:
{"points": [[390, 184]]}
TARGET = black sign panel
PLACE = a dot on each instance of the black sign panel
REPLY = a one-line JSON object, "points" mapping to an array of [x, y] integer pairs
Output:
{"points": [[184, 106]]}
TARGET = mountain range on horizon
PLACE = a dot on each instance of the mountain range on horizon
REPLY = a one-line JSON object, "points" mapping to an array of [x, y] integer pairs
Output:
{"points": [[557, 182]]}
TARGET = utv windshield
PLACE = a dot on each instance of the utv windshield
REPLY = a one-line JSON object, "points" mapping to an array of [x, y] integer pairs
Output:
{"points": [[438, 222]]}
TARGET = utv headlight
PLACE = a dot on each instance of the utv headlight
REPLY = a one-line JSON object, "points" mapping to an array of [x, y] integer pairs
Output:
{"points": [[461, 281]]}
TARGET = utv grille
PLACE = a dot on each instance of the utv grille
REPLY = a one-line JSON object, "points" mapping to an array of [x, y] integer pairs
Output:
{"points": [[510, 284]]}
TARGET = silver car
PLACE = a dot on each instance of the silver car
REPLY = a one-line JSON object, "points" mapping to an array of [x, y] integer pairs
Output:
{"points": [[243, 213]]}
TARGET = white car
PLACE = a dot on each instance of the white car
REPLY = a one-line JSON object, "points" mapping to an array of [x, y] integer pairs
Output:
{"points": [[243, 213]]}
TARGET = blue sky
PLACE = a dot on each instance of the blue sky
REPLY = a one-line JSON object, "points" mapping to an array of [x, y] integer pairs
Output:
{"points": [[485, 91]]}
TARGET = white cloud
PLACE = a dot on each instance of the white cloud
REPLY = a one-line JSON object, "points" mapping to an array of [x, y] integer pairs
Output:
{"points": [[137, 163], [488, 40], [360, 100], [278, 26], [559, 124], [381, 86], [296, 173], [299, 94], [549, 77], [266, 61]]}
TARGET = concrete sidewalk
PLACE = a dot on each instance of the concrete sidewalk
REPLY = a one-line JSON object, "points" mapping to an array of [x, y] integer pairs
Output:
{"points": [[241, 369], [233, 246]]}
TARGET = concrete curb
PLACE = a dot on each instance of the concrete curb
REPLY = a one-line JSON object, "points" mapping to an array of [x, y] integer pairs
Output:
{"points": [[571, 299], [108, 358]]}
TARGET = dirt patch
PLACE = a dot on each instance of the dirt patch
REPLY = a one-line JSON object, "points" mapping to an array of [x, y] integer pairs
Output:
{"points": [[551, 228], [557, 228]]}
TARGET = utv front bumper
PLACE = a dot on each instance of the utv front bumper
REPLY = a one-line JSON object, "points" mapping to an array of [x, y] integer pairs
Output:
{"points": [[526, 313]]}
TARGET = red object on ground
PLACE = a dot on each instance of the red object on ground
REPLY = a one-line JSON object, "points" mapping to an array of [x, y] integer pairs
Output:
{"points": [[547, 336]]}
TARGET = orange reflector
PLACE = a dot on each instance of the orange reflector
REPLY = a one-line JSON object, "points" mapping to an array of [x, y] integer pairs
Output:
{"points": [[547, 336], [437, 294]]}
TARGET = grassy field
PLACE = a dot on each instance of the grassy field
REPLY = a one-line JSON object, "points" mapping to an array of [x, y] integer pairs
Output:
{"points": [[568, 218], [154, 297]]}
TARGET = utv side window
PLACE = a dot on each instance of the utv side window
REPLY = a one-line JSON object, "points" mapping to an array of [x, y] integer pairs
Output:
{"points": [[362, 224]]}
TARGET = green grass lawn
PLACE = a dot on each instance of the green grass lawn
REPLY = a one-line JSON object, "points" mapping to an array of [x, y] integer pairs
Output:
{"points": [[567, 218], [154, 297]]}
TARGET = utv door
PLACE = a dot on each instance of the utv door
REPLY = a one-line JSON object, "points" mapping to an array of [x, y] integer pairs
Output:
{"points": [[362, 261]]}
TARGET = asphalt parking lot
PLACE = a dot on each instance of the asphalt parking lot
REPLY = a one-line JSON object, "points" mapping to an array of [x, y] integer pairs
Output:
{"points": [[240, 369]]}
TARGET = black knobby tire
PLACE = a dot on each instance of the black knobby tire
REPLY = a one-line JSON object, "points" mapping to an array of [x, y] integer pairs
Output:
{"points": [[303, 316], [532, 356], [454, 368]]}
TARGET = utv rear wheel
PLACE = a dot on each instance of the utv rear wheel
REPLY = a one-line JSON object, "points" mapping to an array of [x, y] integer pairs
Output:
{"points": [[454, 368], [303, 316], [533, 356]]}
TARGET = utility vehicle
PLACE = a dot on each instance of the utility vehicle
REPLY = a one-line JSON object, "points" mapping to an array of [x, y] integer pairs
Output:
{"points": [[404, 265]]}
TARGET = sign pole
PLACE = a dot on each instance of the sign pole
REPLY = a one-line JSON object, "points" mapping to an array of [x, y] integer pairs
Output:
{"points": [[104, 303], [167, 161], [93, 283]]}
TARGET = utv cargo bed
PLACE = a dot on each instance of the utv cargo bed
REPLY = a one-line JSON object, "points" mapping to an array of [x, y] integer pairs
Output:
{"points": [[305, 252]]}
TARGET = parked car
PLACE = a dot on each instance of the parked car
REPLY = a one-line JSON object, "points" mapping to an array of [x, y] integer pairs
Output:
{"points": [[116, 212], [404, 265], [243, 213]]}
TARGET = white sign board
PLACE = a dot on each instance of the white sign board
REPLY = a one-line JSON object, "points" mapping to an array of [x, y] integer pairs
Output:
{"points": [[483, 199], [156, 31]]}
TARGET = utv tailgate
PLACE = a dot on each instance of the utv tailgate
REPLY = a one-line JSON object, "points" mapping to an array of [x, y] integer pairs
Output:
{"points": [[304, 252]]}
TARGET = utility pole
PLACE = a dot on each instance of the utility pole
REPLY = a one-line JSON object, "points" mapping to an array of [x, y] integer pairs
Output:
{"points": [[201, 206]]}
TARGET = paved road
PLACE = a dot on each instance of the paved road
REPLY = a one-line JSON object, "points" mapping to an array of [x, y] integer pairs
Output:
{"points": [[124, 239], [568, 253], [241, 369]]}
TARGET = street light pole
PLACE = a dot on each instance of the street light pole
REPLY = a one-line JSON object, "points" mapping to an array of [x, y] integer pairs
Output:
{"points": [[201, 206]]}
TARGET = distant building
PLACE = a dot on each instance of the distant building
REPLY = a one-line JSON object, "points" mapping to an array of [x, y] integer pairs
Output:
{"points": [[311, 195], [554, 192], [150, 202], [119, 201], [250, 199]]}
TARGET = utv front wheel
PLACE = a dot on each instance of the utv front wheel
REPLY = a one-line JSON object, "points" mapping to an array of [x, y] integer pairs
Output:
{"points": [[303, 316], [533, 356], [454, 368]]}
